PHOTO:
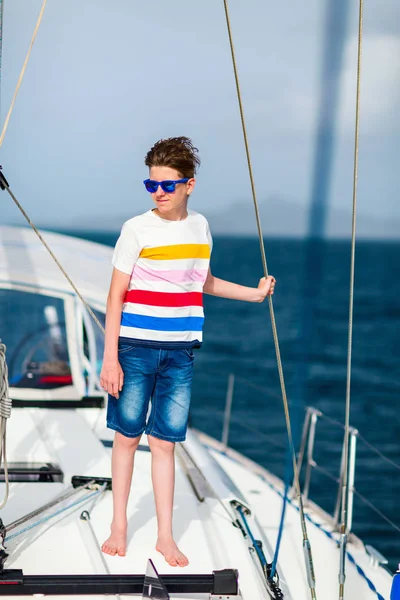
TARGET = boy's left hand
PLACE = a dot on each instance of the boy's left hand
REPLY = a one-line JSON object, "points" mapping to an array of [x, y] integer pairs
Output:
{"points": [[266, 287]]}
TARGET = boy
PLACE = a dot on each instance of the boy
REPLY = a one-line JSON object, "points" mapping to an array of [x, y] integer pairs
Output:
{"points": [[154, 321]]}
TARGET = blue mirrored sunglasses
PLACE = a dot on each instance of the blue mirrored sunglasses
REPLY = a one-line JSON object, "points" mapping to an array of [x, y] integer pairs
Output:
{"points": [[167, 186]]}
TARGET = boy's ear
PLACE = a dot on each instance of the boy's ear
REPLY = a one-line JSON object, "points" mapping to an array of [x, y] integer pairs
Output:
{"points": [[190, 184]]}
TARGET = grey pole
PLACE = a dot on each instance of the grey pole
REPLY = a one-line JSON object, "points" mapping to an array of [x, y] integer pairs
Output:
{"points": [[228, 409]]}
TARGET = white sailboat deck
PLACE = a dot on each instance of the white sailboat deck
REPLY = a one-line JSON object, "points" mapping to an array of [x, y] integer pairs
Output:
{"points": [[208, 477], [65, 545]]}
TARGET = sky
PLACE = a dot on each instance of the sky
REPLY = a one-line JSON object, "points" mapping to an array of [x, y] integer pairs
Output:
{"points": [[107, 79]]}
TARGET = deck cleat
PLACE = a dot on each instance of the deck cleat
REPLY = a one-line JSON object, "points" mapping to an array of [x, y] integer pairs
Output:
{"points": [[92, 482]]}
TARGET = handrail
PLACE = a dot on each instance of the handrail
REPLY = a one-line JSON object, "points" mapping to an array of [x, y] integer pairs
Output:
{"points": [[305, 454], [310, 458]]}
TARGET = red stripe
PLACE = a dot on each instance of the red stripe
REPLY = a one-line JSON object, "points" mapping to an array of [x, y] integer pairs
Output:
{"points": [[164, 298], [64, 379]]}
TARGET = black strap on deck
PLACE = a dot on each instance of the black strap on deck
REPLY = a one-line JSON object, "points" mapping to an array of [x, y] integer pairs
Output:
{"points": [[85, 402], [14, 583]]}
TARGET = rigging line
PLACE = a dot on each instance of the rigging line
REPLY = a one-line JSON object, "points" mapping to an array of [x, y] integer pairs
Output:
{"points": [[306, 544], [351, 302], [362, 439], [376, 510], [42, 509], [59, 265], [378, 452], [256, 547], [5, 413], [52, 515], [288, 477], [86, 516], [4, 183], [21, 76]]}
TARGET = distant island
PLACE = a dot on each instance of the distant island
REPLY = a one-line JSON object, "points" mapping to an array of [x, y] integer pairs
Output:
{"points": [[279, 218]]}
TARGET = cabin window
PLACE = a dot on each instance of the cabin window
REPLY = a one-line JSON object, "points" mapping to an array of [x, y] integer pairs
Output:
{"points": [[33, 328]]}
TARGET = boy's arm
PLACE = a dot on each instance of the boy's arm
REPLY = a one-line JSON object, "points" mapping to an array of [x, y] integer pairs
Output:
{"points": [[226, 289], [111, 376]]}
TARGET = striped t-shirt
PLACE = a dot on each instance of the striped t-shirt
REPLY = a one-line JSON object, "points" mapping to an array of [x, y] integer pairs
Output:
{"points": [[168, 262]]}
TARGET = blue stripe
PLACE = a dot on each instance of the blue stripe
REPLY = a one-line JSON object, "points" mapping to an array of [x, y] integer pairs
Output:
{"points": [[162, 323]]}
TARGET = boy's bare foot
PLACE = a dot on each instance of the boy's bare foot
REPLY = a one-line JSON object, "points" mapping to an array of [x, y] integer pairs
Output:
{"points": [[171, 552], [116, 543]]}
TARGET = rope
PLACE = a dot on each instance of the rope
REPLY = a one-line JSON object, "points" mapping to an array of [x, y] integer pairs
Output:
{"points": [[85, 516], [253, 541], [5, 412], [328, 534], [21, 76], [343, 528], [378, 452], [5, 402], [4, 183], [363, 440], [309, 562], [55, 514], [50, 504], [272, 584], [283, 513], [375, 509], [77, 292]]}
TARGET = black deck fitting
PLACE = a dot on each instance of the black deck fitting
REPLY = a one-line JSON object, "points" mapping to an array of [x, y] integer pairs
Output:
{"points": [[78, 480], [85, 402], [15, 583], [3, 180]]}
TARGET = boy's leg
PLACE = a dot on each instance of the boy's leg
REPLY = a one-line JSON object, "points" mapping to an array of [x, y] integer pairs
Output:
{"points": [[167, 424], [123, 454], [127, 416], [163, 476]]}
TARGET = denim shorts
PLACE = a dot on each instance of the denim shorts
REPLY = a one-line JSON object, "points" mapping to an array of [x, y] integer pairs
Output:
{"points": [[165, 377]]}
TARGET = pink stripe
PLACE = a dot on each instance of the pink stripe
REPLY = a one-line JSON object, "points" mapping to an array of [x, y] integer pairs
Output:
{"points": [[185, 276]]}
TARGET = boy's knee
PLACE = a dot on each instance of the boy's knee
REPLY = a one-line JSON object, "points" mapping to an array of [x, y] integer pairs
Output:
{"points": [[157, 445], [126, 442]]}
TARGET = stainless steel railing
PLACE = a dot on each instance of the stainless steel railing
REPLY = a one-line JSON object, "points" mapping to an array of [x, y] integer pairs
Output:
{"points": [[305, 458], [308, 440]]}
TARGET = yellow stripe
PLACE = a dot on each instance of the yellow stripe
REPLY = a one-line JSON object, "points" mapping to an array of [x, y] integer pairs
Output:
{"points": [[176, 252]]}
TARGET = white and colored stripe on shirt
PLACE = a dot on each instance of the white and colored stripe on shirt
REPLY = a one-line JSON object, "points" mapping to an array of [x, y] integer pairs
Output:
{"points": [[164, 301]]}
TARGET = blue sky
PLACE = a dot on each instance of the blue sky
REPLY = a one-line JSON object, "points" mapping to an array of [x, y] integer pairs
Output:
{"points": [[107, 79]]}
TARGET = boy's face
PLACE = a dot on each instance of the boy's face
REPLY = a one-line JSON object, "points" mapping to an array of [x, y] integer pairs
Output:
{"points": [[168, 203]]}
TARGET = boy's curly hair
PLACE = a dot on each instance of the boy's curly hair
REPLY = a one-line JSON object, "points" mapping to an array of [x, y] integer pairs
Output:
{"points": [[177, 153]]}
